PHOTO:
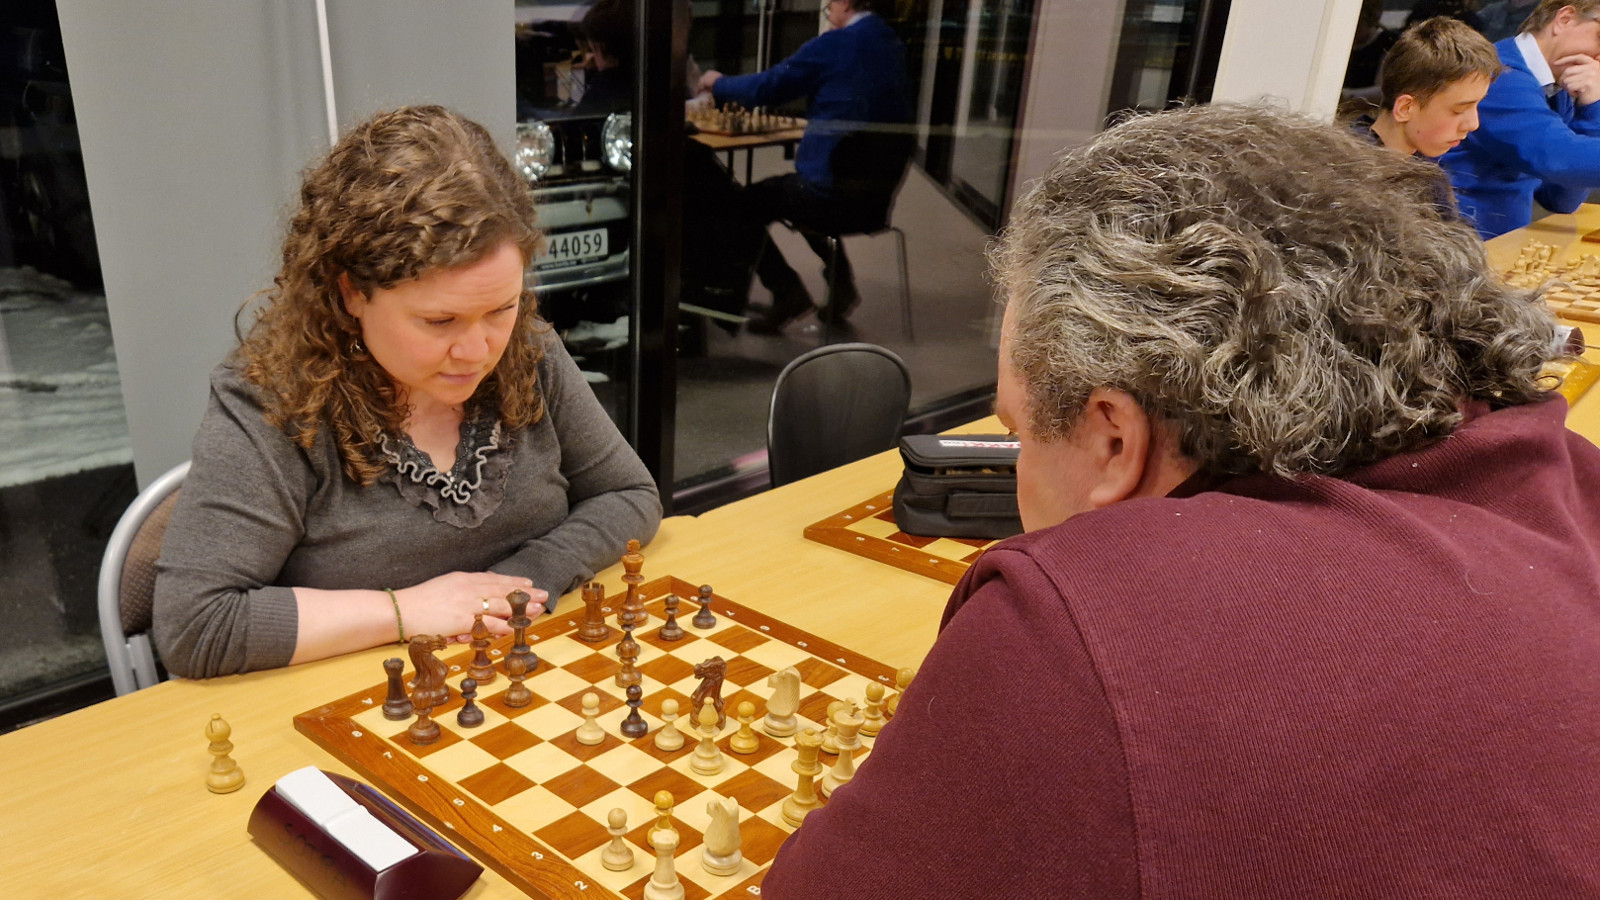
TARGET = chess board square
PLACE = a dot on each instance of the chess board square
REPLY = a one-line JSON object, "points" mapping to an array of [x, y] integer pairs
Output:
{"points": [[754, 790], [496, 702], [691, 891], [676, 783], [776, 655], [815, 707], [638, 809], [818, 674], [653, 703], [595, 667], [373, 721], [743, 672], [972, 557], [446, 738], [570, 744], [573, 835], [911, 540], [691, 872], [779, 769], [667, 669], [564, 649], [759, 840], [555, 682], [504, 740], [550, 721], [595, 871], [532, 809], [647, 686], [648, 652], [496, 783], [653, 638], [758, 704], [688, 838], [460, 760], [612, 721], [491, 719], [574, 703], [765, 747], [875, 527], [625, 764], [647, 744], [580, 787], [851, 687], [737, 639], [731, 766], [542, 761]]}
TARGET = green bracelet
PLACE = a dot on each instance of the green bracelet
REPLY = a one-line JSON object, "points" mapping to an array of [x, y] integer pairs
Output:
{"points": [[399, 623]]}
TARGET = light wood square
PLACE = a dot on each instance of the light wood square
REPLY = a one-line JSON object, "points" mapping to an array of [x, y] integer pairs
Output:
{"points": [[730, 768], [624, 765], [372, 721], [774, 815], [874, 527], [459, 760], [542, 762], [647, 686], [777, 767], [690, 869], [591, 866], [549, 721], [850, 687], [532, 809], [554, 683], [946, 550], [776, 655], [558, 651], [612, 721], [639, 809], [491, 719]]}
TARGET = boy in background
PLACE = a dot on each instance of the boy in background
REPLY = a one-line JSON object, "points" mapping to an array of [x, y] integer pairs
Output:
{"points": [[1432, 80]]}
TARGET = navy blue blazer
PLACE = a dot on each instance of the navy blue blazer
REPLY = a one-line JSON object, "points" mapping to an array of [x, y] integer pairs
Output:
{"points": [[1527, 147], [853, 75]]}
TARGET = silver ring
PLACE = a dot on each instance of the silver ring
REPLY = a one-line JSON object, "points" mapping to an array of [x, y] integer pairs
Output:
{"points": [[486, 604]]}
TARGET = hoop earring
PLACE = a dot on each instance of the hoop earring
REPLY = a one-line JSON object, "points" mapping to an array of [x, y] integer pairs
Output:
{"points": [[357, 348]]}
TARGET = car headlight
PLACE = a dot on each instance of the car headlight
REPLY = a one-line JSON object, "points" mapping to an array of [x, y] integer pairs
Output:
{"points": [[536, 146], [616, 138]]}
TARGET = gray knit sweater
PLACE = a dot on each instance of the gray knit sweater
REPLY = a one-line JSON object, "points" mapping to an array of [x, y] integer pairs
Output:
{"points": [[258, 516]]}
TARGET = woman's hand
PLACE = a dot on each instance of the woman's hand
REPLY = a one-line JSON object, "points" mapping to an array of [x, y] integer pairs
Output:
{"points": [[447, 604]]}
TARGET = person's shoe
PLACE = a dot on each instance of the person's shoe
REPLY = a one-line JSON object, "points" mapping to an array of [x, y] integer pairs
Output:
{"points": [[844, 301], [787, 306]]}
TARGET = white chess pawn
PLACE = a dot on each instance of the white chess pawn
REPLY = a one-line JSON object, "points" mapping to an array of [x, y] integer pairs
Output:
{"points": [[668, 737], [664, 883], [590, 733], [873, 718], [618, 857], [707, 757]]}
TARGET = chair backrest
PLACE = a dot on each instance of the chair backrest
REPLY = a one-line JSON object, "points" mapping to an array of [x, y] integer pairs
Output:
{"points": [[128, 580], [868, 168], [833, 405]]}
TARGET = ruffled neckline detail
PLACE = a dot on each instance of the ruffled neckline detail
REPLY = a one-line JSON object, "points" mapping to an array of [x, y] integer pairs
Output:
{"points": [[473, 488]]}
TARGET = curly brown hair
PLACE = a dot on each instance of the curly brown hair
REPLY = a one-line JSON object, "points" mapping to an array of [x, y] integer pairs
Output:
{"points": [[408, 192]]}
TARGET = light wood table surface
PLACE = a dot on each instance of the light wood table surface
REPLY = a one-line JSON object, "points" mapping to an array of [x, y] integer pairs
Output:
{"points": [[728, 143], [1566, 233], [110, 801]]}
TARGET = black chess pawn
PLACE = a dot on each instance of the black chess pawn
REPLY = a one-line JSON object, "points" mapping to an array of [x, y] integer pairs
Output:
{"points": [[671, 631], [634, 725], [397, 707], [704, 619], [517, 695], [470, 715]]}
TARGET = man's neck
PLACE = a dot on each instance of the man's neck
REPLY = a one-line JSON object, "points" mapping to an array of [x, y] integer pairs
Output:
{"points": [[1393, 134]]}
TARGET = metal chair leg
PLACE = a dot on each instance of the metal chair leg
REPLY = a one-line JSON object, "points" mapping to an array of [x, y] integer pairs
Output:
{"points": [[905, 284], [828, 277]]}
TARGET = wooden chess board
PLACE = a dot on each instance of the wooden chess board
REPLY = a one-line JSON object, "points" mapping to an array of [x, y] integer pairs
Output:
{"points": [[868, 529], [1573, 287], [522, 795]]}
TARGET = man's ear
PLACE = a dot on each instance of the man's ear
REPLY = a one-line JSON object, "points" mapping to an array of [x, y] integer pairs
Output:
{"points": [[354, 301], [1116, 432], [1405, 108]]}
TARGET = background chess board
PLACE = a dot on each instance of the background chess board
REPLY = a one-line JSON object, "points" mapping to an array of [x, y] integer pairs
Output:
{"points": [[528, 800], [868, 529]]}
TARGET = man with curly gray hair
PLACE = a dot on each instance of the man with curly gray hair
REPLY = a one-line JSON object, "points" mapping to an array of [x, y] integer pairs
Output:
{"points": [[1309, 605]]}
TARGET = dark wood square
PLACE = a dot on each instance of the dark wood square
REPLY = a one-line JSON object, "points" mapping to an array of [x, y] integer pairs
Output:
{"points": [[887, 515], [648, 744], [574, 703], [652, 636], [573, 835], [815, 707], [817, 673], [972, 557], [691, 891], [911, 540], [506, 740], [688, 838], [498, 704], [569, 742], [595, 667], [681, 786], [580, 787], [446, 738], [737, 639], [766, 746], [667, 669], [759, 840], [753, 790], [610, 640], [746, 672], [496, 783]]}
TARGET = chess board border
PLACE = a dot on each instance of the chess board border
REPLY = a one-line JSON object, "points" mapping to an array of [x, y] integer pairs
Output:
{"points": [[835, 531], [532, 866]]}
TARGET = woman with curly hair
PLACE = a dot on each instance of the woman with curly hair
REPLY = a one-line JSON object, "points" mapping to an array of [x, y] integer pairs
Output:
{"points": [[398, 442]]}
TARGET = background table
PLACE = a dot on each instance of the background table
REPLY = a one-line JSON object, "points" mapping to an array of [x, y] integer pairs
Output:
{"points": [[728, 143], [111, 800]]}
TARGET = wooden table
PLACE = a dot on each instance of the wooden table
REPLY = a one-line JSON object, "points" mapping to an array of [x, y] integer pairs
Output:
{"points": [[1566, 233], [786, 138], [111, 800]]}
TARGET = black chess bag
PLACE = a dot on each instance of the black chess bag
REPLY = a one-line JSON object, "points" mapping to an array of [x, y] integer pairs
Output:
{"points": [[958, 485]]}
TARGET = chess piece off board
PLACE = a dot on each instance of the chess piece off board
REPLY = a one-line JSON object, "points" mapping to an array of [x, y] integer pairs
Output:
{"points": [[868, 529], [522, 794]]}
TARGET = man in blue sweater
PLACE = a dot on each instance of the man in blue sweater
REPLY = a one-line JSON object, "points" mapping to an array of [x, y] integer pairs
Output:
{"points": [[1539, 127], [848, 165]]}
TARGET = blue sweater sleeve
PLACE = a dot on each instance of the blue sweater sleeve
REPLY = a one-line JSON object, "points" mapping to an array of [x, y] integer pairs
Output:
{"points": [[795, 77], [1519, 128]]}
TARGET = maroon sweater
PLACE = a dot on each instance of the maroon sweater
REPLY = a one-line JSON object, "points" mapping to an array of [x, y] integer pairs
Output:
{"points": [[1386, 685]]}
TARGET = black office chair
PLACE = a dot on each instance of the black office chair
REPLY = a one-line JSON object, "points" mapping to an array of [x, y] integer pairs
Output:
{"points": [[869, 167], [833, 405]]}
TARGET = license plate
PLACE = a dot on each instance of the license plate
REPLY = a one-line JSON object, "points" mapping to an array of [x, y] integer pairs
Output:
{"points": [[571, 248]]}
